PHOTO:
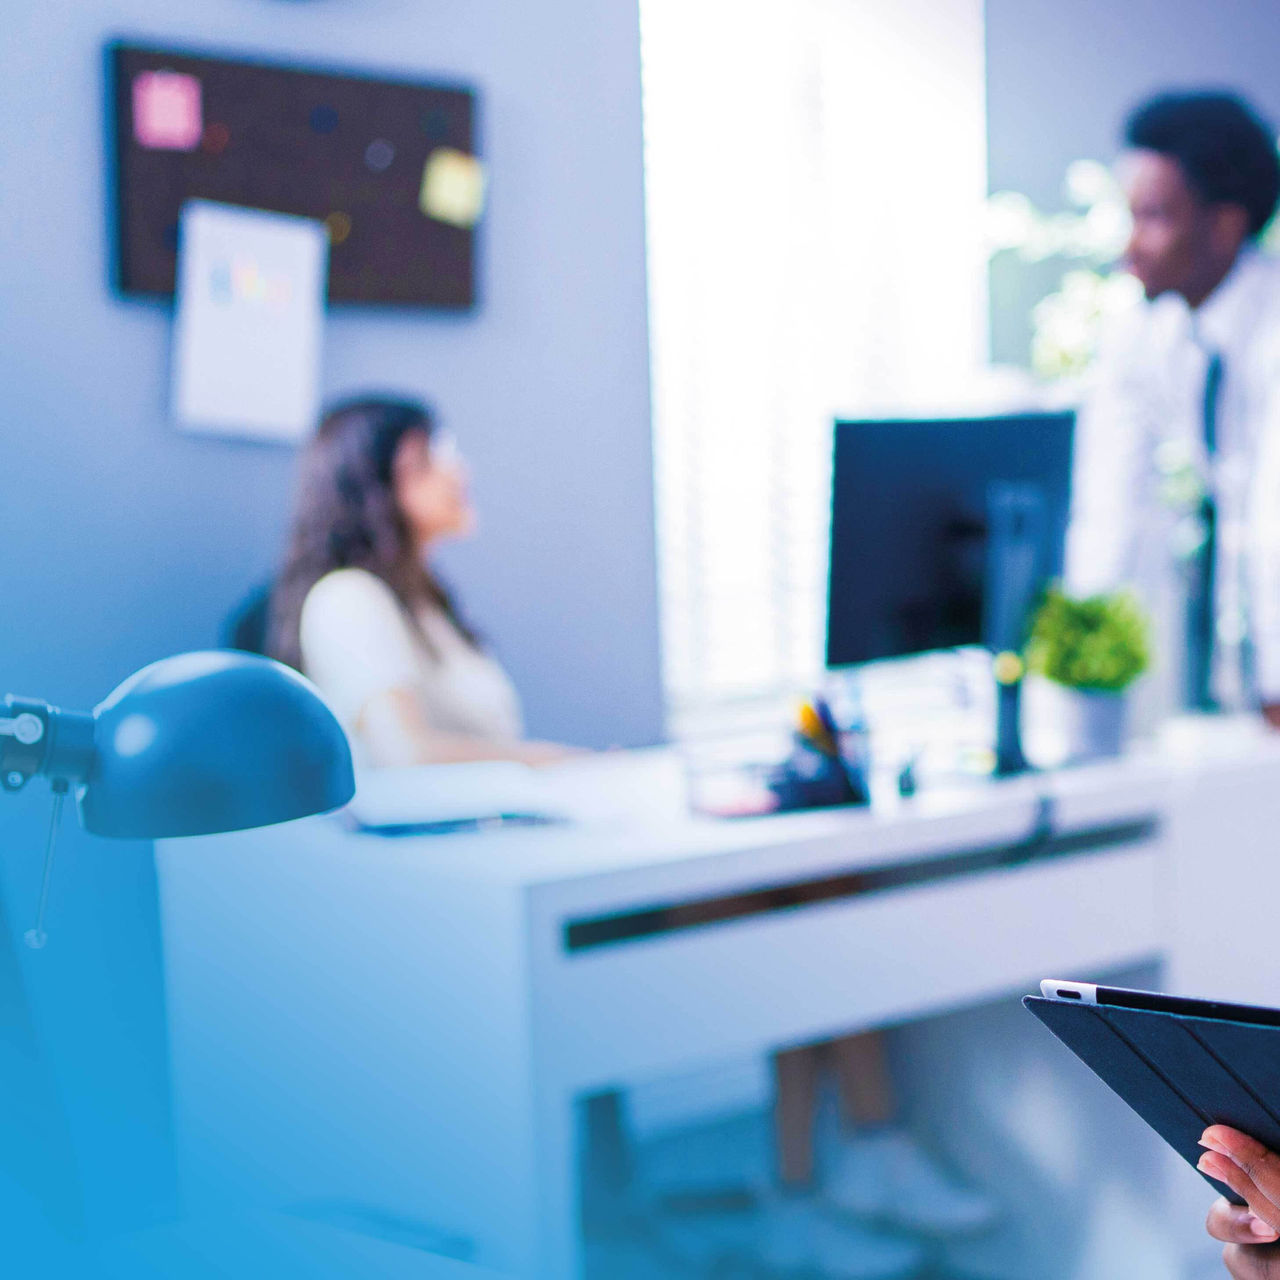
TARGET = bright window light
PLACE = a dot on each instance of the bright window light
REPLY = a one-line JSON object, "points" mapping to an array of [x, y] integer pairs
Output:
{"points": [[815, 177]]}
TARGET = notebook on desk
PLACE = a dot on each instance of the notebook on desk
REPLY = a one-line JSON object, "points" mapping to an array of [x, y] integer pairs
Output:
{"points": [[439, 798]]}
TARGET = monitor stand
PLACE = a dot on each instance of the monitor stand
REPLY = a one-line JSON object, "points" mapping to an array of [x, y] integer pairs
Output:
{"points": [[1009, 755], [1016, 527]]}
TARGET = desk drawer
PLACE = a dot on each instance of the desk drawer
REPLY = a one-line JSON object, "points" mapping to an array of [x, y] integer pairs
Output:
{"points": [[771, 977], [636, 924]]}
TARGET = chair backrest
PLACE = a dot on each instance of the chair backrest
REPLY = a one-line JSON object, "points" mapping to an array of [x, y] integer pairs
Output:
{"points": [[246, 625]]}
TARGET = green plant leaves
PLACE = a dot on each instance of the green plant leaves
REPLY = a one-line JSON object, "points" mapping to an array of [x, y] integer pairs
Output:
{"points": [[1101, 642]]}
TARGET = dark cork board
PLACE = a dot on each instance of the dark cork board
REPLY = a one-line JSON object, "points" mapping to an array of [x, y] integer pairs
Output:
{"points": [[349, 148]]}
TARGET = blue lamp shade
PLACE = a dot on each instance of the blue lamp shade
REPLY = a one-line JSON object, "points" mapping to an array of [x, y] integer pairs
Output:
{"points": [[210, 742]]}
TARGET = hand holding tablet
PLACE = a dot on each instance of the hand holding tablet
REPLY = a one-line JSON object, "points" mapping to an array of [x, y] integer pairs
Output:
{"points": [[1205, 1075], [1252, 1172]]}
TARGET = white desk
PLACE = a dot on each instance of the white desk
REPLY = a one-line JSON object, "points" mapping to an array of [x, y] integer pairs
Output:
{"points": [[405, 1024]]}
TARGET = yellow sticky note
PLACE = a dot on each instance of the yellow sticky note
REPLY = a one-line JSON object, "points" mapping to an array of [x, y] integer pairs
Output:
{"points": [[453, 186]]}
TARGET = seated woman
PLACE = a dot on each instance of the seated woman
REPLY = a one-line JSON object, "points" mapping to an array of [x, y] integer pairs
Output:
{"points": [[359, 610]]}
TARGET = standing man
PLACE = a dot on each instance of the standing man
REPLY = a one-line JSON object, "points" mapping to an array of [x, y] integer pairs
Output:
{"points": [[1177, 481]]}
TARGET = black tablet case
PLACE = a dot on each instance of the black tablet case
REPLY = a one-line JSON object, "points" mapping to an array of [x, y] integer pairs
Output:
{"points": [[1179, 1073]]}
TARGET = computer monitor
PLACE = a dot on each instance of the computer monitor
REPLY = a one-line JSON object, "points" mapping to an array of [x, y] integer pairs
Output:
{"points": [[914, 564]]}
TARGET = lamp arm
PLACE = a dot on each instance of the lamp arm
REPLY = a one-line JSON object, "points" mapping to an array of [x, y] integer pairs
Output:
{"points": [[38, 738]]}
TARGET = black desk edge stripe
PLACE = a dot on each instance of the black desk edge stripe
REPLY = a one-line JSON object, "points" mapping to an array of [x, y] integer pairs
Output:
{"points": [[590, 932]]}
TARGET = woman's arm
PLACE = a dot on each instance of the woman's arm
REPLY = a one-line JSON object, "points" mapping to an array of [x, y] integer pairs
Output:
{"points": [[358, 648], [397, 733]]}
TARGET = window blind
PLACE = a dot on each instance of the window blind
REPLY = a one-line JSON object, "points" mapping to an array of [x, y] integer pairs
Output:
{"points": [[815, 175]]}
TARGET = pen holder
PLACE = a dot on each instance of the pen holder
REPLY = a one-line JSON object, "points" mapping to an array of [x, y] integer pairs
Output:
{"points": [[812, 779]]}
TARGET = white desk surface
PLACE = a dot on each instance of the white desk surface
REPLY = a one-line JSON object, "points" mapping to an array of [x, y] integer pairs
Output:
{"points": [[613, 836]]}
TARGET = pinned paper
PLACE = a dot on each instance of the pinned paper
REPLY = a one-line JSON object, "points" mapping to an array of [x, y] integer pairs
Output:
{"points": [[166, 111], [338, 225], [435, 123], [324, 118], [453, 186], [379, 154], [216, 138], [251, 289]]}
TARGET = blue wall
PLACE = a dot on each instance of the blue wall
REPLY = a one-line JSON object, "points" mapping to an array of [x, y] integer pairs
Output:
{"points": [[124, 541], [1061, 77]]}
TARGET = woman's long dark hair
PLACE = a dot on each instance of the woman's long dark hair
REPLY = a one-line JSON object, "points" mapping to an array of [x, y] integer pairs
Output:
{"points": [[347, 518]]}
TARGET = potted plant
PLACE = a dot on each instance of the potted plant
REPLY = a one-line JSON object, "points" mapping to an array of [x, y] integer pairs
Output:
{"points": [[1095, 648]]}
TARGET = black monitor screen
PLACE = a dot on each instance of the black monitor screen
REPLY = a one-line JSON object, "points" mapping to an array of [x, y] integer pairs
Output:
{"points": [[910, 502]]}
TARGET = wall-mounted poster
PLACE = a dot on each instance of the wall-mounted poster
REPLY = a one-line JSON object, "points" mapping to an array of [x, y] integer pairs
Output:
{"points": [[246, 346], [388, 166]]}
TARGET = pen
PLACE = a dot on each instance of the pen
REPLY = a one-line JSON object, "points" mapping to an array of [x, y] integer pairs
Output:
{"points": [[814, 729], [823, 708]]}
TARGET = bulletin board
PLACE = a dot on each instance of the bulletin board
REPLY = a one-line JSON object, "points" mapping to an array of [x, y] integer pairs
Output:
{"points": [[389, 166]]}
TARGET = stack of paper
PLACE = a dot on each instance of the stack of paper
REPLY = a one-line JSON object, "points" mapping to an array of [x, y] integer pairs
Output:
{"points": [[445, 796]]}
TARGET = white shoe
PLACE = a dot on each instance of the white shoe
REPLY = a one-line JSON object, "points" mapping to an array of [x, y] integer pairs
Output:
{"points": [[798, 1237], [886, 1177]]}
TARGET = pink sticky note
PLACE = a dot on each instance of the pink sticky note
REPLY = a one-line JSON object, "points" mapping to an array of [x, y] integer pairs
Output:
{"points": [[166, 111]]}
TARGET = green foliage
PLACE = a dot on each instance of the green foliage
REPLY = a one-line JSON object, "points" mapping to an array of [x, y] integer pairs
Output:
{"points": [[1100, 643]]}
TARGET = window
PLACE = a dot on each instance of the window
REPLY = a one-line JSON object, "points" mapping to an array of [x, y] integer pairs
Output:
{"points": [[815, 173]]}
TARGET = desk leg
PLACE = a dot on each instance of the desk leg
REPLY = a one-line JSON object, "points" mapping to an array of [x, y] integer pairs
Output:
{"points": [[606, 1152], [557, 1185]]}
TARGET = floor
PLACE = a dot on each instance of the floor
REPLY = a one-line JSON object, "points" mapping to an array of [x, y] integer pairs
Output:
{"points": [[1080, 1181]]}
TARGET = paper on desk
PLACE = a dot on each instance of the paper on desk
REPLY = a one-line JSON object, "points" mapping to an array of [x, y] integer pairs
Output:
{"points": [[246, 352], [623, 789], [437, 795]]}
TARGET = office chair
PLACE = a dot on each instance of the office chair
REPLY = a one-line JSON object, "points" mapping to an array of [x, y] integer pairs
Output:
{"points": [[246, 626]]}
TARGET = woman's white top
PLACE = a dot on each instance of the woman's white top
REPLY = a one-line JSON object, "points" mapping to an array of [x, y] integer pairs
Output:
{"points": [[357, 643]]}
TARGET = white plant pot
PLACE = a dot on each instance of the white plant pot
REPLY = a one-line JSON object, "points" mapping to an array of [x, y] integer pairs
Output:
{"points": [[1096, 723]]}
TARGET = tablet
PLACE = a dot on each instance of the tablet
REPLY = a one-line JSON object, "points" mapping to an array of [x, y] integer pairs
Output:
{"points": [[1181, 1064]]}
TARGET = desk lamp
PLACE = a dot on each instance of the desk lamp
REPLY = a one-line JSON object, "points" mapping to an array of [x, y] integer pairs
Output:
{"points": [[191, 745]]}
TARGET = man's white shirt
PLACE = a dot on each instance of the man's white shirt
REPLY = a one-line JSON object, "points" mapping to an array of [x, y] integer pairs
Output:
{"points": [[1140, 452]]}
